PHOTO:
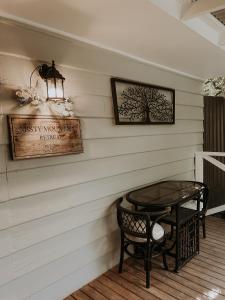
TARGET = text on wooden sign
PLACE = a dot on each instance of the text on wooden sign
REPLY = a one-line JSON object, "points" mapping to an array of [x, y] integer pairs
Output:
{"points": [[38, 136]]}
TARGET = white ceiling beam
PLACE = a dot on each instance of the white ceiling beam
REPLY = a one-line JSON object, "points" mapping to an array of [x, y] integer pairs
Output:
{"points": [[202, 7], [175, 8], [201, 26]]}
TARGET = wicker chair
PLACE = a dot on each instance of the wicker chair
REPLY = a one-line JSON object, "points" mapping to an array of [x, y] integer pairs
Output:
{"points": [[186, 212], [141, 230]]}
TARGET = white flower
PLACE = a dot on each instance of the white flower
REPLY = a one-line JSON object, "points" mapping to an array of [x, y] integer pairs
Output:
{"points": [[68, 105], [71, 114], [35, 102], [214, 86], [19, 93], [28, 95], [66, 113]]}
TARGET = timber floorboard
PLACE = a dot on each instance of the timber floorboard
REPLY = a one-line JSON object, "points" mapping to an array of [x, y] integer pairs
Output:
{"points": [[202, 278]]}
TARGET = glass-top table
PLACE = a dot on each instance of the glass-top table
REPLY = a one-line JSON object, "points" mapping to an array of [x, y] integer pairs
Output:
{"points": [[173, 194], [165, 194]]}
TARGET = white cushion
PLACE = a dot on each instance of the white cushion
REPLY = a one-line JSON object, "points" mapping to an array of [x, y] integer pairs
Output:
{"points": [[157, 233], [192, 204]]}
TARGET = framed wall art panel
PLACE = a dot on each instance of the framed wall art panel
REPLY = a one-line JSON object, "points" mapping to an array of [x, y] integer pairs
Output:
{"points": [[141, 103]]}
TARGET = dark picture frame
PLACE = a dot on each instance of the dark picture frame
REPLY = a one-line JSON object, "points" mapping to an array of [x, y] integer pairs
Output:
{"points": [[138, 103]]}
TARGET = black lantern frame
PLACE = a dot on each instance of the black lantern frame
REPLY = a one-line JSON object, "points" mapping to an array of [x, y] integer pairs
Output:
{"points": [[54, 82]]}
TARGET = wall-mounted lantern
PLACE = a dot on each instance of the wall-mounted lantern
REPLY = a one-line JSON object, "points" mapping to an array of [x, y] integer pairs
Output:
{"points": [[54, 81], [54, 89]]}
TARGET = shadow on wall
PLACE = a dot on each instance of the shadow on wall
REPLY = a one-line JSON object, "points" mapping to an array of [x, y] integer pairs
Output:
{"points": [[65, 11]]}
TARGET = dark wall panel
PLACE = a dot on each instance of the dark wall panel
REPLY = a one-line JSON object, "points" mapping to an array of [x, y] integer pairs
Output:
{"points": [[214, 141]]}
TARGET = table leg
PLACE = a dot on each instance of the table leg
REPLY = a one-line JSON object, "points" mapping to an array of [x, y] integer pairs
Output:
{"points": [[177, 256], [198, 224]]}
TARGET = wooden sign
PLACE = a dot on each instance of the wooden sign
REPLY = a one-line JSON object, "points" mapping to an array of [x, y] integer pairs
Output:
{"points": [[40, 136]]}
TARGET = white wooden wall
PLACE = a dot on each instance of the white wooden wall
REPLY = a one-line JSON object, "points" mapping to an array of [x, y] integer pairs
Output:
{"points": [[57, 219]]}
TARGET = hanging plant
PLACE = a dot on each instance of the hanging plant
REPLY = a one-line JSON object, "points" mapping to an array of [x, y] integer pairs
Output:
{"points": [[214, 87]]}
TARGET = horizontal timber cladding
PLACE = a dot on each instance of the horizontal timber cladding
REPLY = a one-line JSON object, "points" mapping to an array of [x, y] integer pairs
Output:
{"points": [[42, 228], [110, 147], [80, 172], [57, 217], [48, 202]]}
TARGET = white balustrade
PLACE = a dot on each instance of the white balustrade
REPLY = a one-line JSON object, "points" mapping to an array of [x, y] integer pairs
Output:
{"points": [[199, 175]]}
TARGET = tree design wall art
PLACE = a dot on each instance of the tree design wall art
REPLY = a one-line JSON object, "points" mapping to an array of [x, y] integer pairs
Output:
{"points": [[140, 103]]}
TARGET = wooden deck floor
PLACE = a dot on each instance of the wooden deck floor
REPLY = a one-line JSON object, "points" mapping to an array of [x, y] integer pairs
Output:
{"points": [[202, 278]]}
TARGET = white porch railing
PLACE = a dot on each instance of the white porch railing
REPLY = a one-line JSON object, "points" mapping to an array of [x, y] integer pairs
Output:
{"points": [[199, 158]]}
